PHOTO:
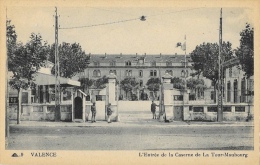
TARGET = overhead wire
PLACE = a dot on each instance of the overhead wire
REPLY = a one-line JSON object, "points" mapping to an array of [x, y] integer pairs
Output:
{"points": [[116, 22], [101, 24]]}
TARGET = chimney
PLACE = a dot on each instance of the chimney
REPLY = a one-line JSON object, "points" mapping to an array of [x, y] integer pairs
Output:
{"points": [[120, 55], [136, 55], [89, 55], [105, 55], [144, 54], [175, 53], [160, 55]]}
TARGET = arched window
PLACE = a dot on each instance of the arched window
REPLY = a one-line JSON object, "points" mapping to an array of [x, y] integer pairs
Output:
{"points": [[141, 83], [98, 73], [140, 73], [153, 73], [182, 73], [94, 73]]}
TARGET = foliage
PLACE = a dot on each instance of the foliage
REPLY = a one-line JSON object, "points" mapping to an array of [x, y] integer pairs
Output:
{"points": [[205, 59], [128, 84], [101, 82], [245, 52], [177, 83], [196, 84], [23, 61], [153, 84], [85, 83], [72, 59]]}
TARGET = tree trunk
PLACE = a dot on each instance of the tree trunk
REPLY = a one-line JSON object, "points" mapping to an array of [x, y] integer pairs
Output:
{"points": [[19, 106]]}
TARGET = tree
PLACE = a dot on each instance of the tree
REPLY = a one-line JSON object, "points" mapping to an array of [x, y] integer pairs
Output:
{"points": [[153, 84], [101, 82], [128, 84], [245, 52], [24, 61], [72, 59], [85, 83], [177, 83], [205, 59], [196, 86]]}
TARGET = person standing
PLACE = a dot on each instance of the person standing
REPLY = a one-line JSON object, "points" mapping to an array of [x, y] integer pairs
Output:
{"points": [[153, 109], [93, 110], [109, 112]]}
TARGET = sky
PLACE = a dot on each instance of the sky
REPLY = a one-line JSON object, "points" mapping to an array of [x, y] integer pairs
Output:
{"points": [[163, 28]]}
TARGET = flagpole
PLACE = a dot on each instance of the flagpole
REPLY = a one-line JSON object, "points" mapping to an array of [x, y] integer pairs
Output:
{"points": [[185, 64]]}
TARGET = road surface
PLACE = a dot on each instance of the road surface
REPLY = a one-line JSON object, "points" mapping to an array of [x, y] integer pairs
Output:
{"points": [[136, 137]]}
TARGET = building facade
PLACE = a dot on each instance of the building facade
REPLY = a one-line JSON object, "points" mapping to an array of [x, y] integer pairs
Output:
{"points": [[141, 67]]}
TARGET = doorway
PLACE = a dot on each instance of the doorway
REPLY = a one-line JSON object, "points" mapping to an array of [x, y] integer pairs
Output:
{"points": [[78, 108], [178, 114]]}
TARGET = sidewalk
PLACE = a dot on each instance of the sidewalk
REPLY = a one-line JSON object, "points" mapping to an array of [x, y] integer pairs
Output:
{"points": [[136, 123]]}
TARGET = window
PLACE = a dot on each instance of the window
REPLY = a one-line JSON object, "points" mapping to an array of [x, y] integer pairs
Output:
{"points": [[153, 73], [96, 73], [212, 83], [235, 91], [212, 95], [169, 72], [168, 63], [112, 63], [96, 63], [128, 63], [212, 109], [243, 90], [141, 83], [227, 109], [228, 92], [153, 63], [140, 73], [230, 72], [197, 109], [128, 73], [178, 97], [13, 100], [112, 71], [239, 109], [182, 73]]}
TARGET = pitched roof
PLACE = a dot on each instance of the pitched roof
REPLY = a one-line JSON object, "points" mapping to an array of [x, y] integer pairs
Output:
{"points": [[131, 57]]}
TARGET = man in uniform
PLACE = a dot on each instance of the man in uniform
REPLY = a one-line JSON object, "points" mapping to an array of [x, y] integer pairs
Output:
{"points": [[93, 110], [109, 112], [153, 109]]}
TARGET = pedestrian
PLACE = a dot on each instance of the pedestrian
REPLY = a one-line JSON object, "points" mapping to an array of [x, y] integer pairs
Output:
{"points": [[109, 112], [153, 109], [93, 111]]}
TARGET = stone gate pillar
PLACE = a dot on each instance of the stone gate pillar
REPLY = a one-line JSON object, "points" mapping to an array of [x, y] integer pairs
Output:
{"points": [[167, 97], [186, 111], [112, 96]]}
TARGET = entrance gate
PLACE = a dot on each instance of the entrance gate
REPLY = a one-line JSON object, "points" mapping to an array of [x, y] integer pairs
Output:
{"points": [[78, 108]]}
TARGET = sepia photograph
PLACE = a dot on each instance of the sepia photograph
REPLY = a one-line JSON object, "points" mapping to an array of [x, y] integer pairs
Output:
{"points": [[141, 78]]}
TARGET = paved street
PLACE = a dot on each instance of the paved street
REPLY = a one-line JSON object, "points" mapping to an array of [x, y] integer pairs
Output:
{"points": [[147, 135]]}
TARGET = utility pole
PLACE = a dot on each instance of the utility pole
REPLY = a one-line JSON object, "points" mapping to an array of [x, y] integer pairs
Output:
{"points": [[220, 69], [7, 88], [57, 71]]}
